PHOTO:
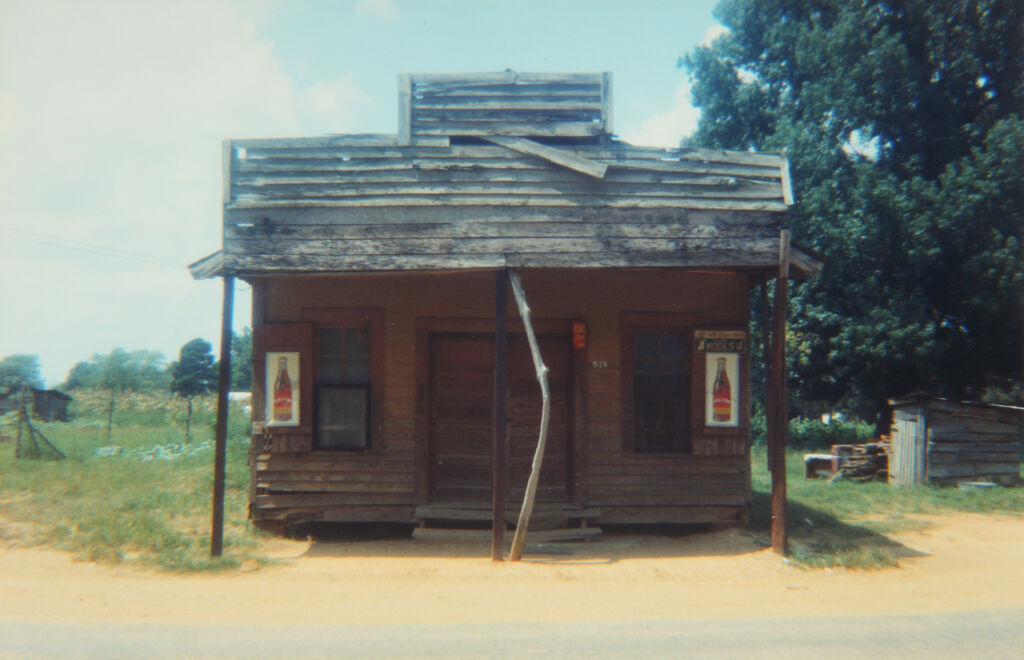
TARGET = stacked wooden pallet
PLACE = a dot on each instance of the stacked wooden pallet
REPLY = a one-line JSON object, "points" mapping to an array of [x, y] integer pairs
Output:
{"points": [[862, 462]]}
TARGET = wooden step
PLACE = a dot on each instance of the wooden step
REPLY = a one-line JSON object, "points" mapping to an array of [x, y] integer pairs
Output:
{"points": [[545, 516], [484, 535]]}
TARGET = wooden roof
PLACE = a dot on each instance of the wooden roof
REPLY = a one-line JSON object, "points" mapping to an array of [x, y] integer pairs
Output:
{"points": [[453, 189]]}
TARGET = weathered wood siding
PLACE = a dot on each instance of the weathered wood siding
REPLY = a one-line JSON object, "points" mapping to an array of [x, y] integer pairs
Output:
{"points": [[388, 480], [949, 442]]}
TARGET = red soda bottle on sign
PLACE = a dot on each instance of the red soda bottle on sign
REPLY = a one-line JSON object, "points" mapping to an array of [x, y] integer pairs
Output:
{"points": [[282, 392], [721, 402]]}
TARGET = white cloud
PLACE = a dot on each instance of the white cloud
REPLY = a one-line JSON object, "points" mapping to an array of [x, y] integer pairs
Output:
{"points": [[665, 129], [111, 119], [716, 30], [334, 104], [383, 9]]}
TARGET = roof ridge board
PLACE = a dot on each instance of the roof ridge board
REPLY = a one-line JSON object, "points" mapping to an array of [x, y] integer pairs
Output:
{"points": [[337, 140], [508, 75]]}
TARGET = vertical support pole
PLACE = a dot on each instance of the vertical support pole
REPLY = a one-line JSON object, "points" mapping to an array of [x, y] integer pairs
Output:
{"points": [[220, 448], [21, 421], [778, 428], [499, 463], [765, 321]]}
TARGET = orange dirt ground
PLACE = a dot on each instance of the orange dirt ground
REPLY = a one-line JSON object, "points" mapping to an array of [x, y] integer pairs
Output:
{"points": [[963, 562]]}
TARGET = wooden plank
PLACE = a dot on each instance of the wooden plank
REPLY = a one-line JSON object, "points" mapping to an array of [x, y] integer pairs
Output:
{"points": [[606, 500], [504, 92], [228, 163], [482, 129], [292, 500], [606, 102], [261, 263], [581, 103], [511, 230], [313, 476], [251, 219], [317, 463], [623, 202], [305, 486], [552, 154], [972, 469], [512, 245], [506, 76], [404, 109], [672, 514], [444, 173], [338, 188], [1010, 446], [787, 184], [346, 513]]}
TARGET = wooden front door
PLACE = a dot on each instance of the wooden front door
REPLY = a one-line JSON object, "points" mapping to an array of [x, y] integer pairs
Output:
{"points": [[461, 432]]}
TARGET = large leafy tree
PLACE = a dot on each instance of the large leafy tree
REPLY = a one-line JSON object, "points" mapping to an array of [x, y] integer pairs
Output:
{"points": [[903, 128], [194, 374]]}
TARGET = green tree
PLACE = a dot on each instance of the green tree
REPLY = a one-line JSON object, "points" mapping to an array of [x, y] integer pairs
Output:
{"points": [[194, 374], [241, 360], [17, 371], [120, 371], [902, 124]]}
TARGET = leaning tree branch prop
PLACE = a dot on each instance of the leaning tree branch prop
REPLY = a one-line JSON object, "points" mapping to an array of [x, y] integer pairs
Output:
{"points": [[516, 553]]}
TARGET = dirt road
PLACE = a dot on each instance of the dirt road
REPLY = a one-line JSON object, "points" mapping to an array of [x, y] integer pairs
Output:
{"points": [[962, 563]]}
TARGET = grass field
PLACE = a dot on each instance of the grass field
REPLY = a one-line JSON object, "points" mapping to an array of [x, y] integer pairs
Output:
{"points": [[144, 495]]}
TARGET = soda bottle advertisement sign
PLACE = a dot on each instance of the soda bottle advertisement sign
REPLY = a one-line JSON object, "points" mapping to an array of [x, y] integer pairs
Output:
{"points": [[281, 391], [721, 390]]}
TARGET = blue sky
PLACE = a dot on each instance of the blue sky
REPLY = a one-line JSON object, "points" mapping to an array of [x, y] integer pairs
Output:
{"points": [[112, 113]]}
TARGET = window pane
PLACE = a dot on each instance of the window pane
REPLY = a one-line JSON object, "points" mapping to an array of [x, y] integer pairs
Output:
{"points": [[342, 417], [330, 341], [331, 371], [357, 371], [646, 346], [672, 346], [357, 342]]}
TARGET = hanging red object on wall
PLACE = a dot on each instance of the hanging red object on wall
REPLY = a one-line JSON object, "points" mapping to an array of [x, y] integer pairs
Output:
{"points": [[579, 334]]}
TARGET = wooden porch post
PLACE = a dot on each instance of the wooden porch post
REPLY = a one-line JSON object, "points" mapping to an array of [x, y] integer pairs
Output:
{"points": [[777, 408], [220, 448], [500, 354]]}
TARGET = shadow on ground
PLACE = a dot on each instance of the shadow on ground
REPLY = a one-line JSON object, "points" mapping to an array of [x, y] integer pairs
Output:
{"points": [[819, 539], [816, 539]]}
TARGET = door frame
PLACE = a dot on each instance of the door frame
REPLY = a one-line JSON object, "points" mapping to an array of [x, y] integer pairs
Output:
{"points": [[576, 452]]}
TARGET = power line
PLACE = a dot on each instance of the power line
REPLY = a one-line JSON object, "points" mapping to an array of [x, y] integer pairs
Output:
{"points": [[74, 245]]}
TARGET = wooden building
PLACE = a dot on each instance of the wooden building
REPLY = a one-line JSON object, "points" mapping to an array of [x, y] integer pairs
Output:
{"points": [[47, 405], [943, 442], [374, 262]]}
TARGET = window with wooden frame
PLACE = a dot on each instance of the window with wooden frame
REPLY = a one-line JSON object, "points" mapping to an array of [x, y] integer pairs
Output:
{"points": [[657, 382], [342, 388], [661, 390]]}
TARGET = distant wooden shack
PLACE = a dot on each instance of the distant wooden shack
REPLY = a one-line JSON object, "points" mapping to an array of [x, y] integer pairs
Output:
{"points": [[47, 405], [945, 442], [375, 263]]}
